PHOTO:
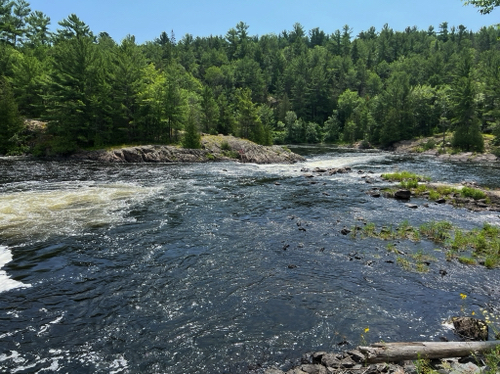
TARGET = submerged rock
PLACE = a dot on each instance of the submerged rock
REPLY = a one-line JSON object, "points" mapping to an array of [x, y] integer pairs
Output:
{"points": [[470, 328]]}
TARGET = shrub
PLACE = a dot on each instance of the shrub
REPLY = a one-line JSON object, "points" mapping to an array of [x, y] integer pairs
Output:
{"points": [[473, 193], [224, 146], [429, 144]]}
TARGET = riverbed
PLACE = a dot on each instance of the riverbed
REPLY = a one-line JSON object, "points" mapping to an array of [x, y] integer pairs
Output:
{"points": [[220, 267]]}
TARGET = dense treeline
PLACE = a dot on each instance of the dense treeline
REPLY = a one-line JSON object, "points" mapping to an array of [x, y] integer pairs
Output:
{"points": [[296, 87]]}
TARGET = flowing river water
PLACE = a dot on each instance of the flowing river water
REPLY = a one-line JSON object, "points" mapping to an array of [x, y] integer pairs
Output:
{"points": [[219, 267]]}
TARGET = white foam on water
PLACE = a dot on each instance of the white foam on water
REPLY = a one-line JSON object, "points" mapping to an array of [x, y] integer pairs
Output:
{"points": [[6, 283], [67, 209], [45, 327], [56, 359], [323, 162]]}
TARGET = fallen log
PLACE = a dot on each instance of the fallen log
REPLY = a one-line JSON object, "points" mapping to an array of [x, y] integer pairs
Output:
{"points": [[395, 352]]}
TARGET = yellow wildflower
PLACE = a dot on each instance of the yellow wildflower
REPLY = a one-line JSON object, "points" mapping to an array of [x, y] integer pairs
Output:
{"points": [[367, 329], [463, 296]]}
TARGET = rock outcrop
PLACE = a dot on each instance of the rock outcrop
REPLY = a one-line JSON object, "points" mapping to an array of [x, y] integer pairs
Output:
{"points": [[214, 148]]}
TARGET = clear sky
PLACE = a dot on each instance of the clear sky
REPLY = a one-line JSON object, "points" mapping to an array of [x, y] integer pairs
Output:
{"points": [[146, 19]]}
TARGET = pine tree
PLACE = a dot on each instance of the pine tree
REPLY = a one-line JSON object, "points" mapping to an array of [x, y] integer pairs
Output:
{"points": [[78, 97], [11, 123], [192, 137], [467, 134]]}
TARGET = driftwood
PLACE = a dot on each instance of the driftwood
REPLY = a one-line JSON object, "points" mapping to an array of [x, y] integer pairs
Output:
{"points": [[395, 352]]}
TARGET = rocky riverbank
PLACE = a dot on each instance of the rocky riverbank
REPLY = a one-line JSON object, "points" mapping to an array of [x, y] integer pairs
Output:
{"points": [[214, 148], [432, 146], [352, 362], [472, 355]]}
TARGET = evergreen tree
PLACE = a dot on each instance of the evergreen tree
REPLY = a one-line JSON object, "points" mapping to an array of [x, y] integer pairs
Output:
{"points": [[209, 111], [78, 96], [37, 29], [11, 124], [227, 122], [467, 134], [174, 109], [486, 6], [250, 126], [128, 82], [192, 137]]}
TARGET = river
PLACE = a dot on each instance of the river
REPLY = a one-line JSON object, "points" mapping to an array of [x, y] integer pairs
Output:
{"points": [[219, 267]]}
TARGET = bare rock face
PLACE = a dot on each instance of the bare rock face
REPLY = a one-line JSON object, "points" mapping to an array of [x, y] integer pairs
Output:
{"points": [[215, 148]]}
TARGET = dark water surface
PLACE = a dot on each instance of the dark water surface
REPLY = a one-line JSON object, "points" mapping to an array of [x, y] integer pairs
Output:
{"points": [[164, 268]]}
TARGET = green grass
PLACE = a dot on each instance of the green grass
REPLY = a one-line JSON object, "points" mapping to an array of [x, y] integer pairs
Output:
{"points": [[437, 231], [473, 193], [409, 184], [481, 245], [434, 195], [404, 176], [466, 260], [493, 360]]}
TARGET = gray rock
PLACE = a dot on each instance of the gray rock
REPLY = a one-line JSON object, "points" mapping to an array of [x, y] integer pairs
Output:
{"points": [[274, 371], [295, 371], [468, 368], [244, 149], [412, 206], [356, 355], [402, 194], [317, 356], [331, 360], [347, 362], [313, 369], [345, 231]]}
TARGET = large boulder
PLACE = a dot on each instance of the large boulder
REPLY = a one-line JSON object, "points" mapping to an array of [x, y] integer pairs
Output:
{"points": [[402, 194]]}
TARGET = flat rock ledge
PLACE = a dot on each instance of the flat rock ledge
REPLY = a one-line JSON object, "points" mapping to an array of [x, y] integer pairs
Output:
{"points": [[214, 148]]}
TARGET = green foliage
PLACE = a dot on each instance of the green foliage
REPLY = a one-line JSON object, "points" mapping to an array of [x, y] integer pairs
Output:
{"points": [[466, 260], [11, 124], [407, 179], [379, 87], [473, 193], [192, 137], [486, 6], [493, 360], [429, 144]]}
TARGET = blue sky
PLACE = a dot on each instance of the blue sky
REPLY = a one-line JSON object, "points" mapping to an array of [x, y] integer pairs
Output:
{"points": [[146, 19]]}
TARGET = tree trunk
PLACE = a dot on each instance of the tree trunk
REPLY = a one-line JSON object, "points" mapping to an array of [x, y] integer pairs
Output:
{"points": [[395, 352]]}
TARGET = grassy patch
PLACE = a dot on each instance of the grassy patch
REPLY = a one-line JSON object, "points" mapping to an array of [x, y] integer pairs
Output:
{"points": [[437, 231], [480, 245], [473, 193], [466, 260], [404, 176]]}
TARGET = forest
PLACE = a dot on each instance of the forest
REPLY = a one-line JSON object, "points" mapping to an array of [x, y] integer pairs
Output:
{"points": [[377, 87]]}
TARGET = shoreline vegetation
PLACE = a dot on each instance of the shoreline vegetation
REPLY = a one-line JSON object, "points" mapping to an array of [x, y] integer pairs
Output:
{"points": [[376, 88]]}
